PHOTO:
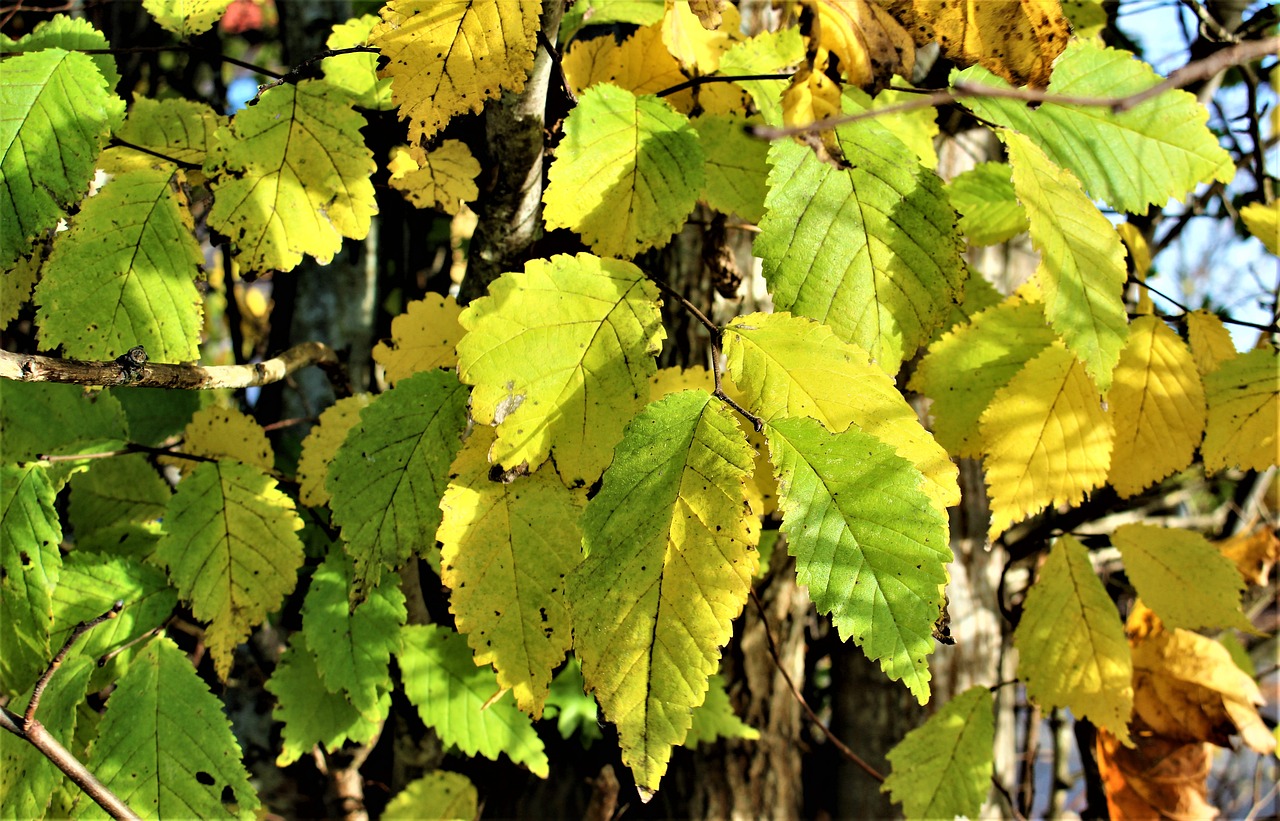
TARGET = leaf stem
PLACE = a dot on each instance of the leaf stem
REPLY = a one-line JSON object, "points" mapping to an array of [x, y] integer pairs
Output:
{"points": [[116, 141], [717, 78], [79, 630]]}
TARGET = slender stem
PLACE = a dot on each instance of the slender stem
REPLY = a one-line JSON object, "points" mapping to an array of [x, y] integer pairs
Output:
{"points": [[79, 630], [1272, 328], [717, 78], [299, 71], [116, 141]]}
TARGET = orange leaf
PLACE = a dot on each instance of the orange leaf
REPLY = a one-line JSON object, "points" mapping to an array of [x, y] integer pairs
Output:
{"points": [[1254, 553], [1158, 778]]}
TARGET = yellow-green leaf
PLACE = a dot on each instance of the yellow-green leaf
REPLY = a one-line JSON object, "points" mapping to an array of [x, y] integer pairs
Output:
{"points": [[736, 166], [231, 550], [1210, 340], [560, 356], [177, 128], [437, 795], [322, 444], [1071, 646], [443, 178], [506, 548], [989, 209], [186, 18], [1263, 221], [30, 563], [670, 543], [943, 768], [1244, 413], [357, 72], [715, 718], [291, 177], [769, 51], [1047, 439], [627, 173], [1182, 577], [1082, 269]]}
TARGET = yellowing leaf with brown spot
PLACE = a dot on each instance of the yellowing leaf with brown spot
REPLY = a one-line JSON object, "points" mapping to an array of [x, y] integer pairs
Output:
{"points": [[1254, 553], [447, 57], [1071, 646], [186, 18], [1244, 411], [711, 12], [423, 337], [870, 44], [813, 96], [1181, 576], [1211, 343], [1047, 439], [694, 44], [442, 179], [1263, 221], [1156, 404], [322, 444], [223, 433], [1014, 39]]}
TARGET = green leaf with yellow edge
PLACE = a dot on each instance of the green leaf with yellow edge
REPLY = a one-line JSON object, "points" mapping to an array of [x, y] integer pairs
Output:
{"points": [[443, 178], [1156, 406], [736, 172], [425, 336], [186, 18], [767, 52], [446, 57], [455, 698], [1047, 439], [145, 752], [226, 433], [964, 369], [670, 544], [943, 769], [1244, 413], [605, 12], [30, 563], [1071, 646], [627, 173], [1187, 581], [46, 166], [989, 209], [352, 647], [177, 128], [917, 129], [231, 550], [290, 176], [322, 443], [1210, 340], [1157, 150], [870, 250], [868, 544], [791, 367], [1082, 269], [560, 356], [714, 718], [357, 72], [389, 474], [72, 34], [437, 795], [38, 418], [125, 273], [506, 548], [312, 715], [1263, 221], [115, 491]]}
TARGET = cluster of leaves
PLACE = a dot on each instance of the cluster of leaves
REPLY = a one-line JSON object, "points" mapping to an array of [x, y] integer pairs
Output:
{"points": [[573, 497]]}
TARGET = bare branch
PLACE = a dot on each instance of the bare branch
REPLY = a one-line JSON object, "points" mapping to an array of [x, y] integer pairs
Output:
{"points": [[80, 629]]}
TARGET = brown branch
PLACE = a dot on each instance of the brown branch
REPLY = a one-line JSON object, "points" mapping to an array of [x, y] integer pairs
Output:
{"points": [[1190, 73], [716, 78], [142, 374], [79, 630]]}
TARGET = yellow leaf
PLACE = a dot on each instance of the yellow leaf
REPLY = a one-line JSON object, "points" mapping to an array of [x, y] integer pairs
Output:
{"points": [[223, 433], [357, 72], [1156, 404], [693, 43], [423, 337], [1211, 343], [870, 44], [1015, 39], [322, 444], [1263, 221], [673, 380], [442, 179], [641, 64], [1244, 409], [16, 283], [506, 548], [1181, 576], [186, 18], [1071, 646], [449, 56], [1048, 440]]}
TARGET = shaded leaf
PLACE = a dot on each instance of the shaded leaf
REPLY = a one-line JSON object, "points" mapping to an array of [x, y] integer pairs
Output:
{"points": [[30, 564], [38, 418], [1244, 413], [115, 491], [736, 166], [437, 795], [989, 210], [321, 445], [715, 719], [1184, 579], [443, 178], [177, 128], [425, 336]]}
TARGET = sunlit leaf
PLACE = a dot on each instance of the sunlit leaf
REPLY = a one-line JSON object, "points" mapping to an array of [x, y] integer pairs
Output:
{"points": [[768, 51], [1210, 340], [1181, 576], [1263, 221], [30, 562], [225, 433], [443, 178], [425, 336], [186, 18], [715, 719], [694, 44], [1244, 413], [869, 43], [173, 127], [357, 72], [322, 444]]}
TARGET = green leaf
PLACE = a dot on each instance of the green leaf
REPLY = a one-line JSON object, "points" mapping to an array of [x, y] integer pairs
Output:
{"points": [[38, 418], [1154, 151], [125, 273], [670, 544], [30, 563], [91, 584], [715, 718], [45, 162], [357, 72], [177, 128], [1071, 646], [313, 715], [571, 706], [769, 51], [868, 545], [452, 695], [186, 18], [155, 414], [790, 367], [1243, 395], [123, 489], [560, 357], [291, 176], [147, 753], [1187, 581], [943, 768], [627, 173], [916, 129], [71, 34], [506, 548], [870, 250], [231, 550], [989, 210], [437, 795], [389, 474], [1082, 268], [736, 181], [27, 778], [964, 369], [352, 648]]}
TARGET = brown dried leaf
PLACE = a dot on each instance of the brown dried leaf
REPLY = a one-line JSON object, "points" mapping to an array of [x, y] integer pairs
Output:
{"points": [[1254, 553], [1159, 778]]}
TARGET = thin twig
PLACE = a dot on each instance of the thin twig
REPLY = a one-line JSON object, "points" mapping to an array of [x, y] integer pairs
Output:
{"points": [[131, 447], [79, 630], [299, 72], [557, 62], [1271, 329], [195, 166], [717, 78], [804, 705]]}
